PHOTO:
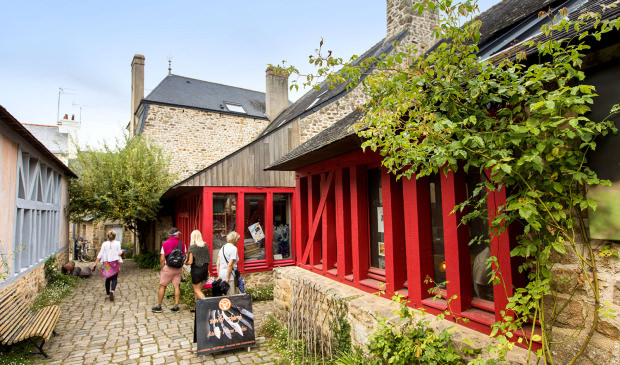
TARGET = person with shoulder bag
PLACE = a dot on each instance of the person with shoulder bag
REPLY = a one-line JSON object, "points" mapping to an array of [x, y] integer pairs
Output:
{"points": [[110, 255], [199, 257], [227, 262], [172, 258]]}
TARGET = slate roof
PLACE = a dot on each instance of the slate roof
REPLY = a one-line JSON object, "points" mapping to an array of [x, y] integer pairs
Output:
{"points": [[51, 137], [7, 119], [496, 20], [314, 100], [187, 92]]}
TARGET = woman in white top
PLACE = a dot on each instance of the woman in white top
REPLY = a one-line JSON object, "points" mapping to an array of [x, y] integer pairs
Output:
{"points": [[227, 262], [110, 256]]}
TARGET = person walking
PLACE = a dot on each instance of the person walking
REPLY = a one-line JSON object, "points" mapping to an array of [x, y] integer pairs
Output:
{"points": [[199, 257], [110, 255], [170, 274], [227, 262]]}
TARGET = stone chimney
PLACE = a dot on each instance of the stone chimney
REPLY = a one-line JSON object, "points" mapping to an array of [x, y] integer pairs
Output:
{"points": [[276, 95], [137, 89], [400, 16]]}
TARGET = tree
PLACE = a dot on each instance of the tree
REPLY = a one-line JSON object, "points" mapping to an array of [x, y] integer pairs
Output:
{"points": [[122, 182], [520, 120]]}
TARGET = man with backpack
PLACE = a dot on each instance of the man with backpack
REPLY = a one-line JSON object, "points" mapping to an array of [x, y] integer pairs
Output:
{"points": [[172, 259]]}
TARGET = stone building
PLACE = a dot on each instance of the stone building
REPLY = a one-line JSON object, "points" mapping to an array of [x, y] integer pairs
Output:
{"points": [[34, 194]]}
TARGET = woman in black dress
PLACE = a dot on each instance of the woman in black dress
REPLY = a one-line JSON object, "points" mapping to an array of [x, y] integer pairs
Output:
{"points": [[199, 257]]}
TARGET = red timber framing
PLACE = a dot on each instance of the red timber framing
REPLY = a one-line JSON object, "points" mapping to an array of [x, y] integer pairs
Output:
{"points": [[333, 238], [195, 210]]}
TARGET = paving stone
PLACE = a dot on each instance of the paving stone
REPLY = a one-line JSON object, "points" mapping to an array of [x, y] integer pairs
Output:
{"points": [[127, 332]]}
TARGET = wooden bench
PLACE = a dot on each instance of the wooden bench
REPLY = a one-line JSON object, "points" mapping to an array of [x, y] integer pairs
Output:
{"points": [[18, 323]]}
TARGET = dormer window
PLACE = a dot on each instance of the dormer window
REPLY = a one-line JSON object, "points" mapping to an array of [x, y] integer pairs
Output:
{"points": [[237, 108]]}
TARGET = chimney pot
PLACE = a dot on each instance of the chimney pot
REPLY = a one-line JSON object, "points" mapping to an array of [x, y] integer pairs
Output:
{"points": [[276, 95]]}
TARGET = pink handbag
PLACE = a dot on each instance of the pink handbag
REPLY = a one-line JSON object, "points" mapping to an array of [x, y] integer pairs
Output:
{"points": [[110, 269]]}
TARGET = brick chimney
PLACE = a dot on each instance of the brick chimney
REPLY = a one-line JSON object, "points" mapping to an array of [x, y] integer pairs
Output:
{"points": [[400, 16], [276, 95], [137, 89]]}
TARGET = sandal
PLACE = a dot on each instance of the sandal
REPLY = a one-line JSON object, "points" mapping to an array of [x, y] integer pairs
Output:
{"points": [[193, 310]]}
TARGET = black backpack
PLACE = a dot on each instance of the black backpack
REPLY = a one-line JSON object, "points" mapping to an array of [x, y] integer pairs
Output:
{"points": [[176, 258]]}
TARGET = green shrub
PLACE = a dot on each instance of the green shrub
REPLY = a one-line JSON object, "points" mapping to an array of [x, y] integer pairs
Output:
{"points": [[277, 337], [58, 286], [412, 343], [261, 293], [129, 247], [352, 357], [148, 261]]}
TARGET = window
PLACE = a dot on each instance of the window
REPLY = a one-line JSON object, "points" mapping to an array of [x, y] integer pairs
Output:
{"points": [[254, 227], [479, 246], [439, 253], [237, 108], [375, 216], [281, 226], [224, 218]]}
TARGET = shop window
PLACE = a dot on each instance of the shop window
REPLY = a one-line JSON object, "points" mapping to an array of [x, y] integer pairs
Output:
{"points": [[281, 226], [439, 253], [479, 245], [224, 219], [375, 216], [254, 227]]}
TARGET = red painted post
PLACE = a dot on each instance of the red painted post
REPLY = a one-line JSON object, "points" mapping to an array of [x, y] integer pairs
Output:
{"points": [[360, 242], [314, 192], [269, 229], [456, 238], [301, 217], [500, 248], [343, 221], [418, 237], [394, 232], [329, 249], [243, 232], [207, 218]]}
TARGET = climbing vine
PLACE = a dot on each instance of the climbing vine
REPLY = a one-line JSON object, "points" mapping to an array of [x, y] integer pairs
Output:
{"points": [[520, 120]]}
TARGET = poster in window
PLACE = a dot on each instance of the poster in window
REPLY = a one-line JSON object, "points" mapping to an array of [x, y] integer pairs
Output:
{"points": [[380, 219], [256, 231], [381, 249]]}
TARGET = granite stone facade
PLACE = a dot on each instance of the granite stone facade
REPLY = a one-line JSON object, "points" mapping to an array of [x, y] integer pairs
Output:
{"points": [[194, 139]]}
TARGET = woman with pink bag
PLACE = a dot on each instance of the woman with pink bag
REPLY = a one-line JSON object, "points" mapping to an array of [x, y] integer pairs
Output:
{"points": [[110, 256]]}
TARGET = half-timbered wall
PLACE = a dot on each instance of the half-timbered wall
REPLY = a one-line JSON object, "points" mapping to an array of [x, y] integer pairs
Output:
{"points": [[357, 224], [38, 209]]}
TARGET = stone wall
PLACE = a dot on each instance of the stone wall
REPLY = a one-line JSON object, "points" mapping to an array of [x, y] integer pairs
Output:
{"points": [[199, 138], [604, 348], [258, 279], [364, 309], [31, 284], [330, 114]]}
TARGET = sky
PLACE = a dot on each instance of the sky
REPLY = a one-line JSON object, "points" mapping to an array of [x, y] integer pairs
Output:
{"points": [[85, 48]]}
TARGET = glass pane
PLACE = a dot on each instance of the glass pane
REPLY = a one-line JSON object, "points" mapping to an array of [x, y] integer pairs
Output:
{"points": [[439, 253], [254, 231], [224, 220], [375, 205], [281, 226], [479, 248]]}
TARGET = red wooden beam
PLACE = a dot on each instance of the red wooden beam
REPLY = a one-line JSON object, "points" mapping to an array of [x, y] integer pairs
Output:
{"points": [[456, 241], [325, 187], [301, 216], [207, 218], [329, 228], [394, 232], [418, 237], [243, 232], [360, 240], [343, 221], [269, 229]]}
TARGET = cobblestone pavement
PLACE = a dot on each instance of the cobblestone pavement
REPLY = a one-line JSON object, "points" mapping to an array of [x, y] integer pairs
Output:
{"points": [[92, 330]]}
